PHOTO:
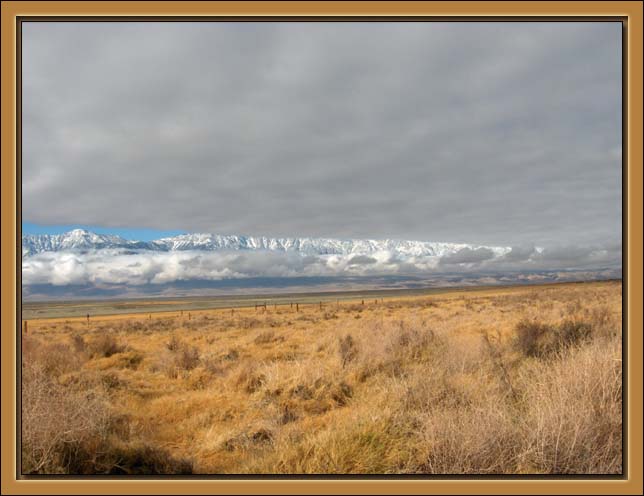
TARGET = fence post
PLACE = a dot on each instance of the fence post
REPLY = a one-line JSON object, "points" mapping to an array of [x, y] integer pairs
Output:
{"points": [[25, 324]]}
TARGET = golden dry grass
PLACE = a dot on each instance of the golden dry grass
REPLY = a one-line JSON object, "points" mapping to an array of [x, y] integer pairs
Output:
{"points": [[519, 380]]}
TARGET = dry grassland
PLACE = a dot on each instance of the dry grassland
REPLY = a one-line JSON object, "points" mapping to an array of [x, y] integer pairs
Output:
{"points": [[520, 380]]}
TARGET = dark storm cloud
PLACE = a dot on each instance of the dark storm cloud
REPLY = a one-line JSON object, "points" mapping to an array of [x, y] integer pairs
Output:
{"points": [[519, 253], [489, 133]]}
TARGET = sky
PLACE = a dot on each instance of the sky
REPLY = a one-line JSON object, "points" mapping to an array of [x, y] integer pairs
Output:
{"points": [[131, 233], [487, 133]]}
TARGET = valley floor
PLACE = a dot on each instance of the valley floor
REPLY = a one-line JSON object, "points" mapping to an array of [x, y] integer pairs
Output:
{"points": [[503, 380]]}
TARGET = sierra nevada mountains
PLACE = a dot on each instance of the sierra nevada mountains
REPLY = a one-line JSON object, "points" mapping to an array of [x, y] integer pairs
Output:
{"points": [[82, 240]]}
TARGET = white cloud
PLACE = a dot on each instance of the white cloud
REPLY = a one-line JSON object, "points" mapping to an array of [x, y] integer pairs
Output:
{"points": [[114, 267]]}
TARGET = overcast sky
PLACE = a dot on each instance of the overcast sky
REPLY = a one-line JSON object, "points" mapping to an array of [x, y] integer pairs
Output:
{"points": [[487, 133]]}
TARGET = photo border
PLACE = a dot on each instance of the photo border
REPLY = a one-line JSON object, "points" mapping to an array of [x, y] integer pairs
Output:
{"points": [[630, 11]]}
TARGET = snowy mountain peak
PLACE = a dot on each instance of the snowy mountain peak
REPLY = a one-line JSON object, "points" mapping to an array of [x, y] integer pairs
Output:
{"points": [[83, 240]]}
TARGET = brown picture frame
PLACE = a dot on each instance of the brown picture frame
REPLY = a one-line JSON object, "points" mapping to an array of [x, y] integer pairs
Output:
{"points": [[630, 12]]}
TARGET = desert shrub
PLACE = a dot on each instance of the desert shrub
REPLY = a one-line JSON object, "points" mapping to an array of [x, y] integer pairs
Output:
{"points": [[390, 347], [572, 332], [60, 423], [111, 380], [530, 336], [302, 388], [105, 346], [200, 378], [231, 355], [286, 413], [179, 357], [125, 360], [135, 459], [475, 439], [347, 349], [54, 359], [212, 364], [187, 357], [249, 379], [247, 440], [267, 337], [573, 410], [79, 343], [149, 460], [536, 339], [604, 322], [341, 393], [413, 342], [248, 323], [174, 344]]}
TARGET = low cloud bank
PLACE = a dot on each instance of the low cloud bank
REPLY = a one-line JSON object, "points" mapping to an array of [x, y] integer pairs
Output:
{"points": [[118, 267]]}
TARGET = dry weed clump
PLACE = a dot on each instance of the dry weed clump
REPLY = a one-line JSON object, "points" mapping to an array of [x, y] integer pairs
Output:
{"points": [[178, 358], [537, 339], [268, 337], [59, 423], [573, 416], [347, 348], [69, 424], [105, 346]]}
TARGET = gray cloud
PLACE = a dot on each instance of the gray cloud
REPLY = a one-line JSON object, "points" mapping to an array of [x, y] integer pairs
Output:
{"points": [[467, 255], [519, 253], [362, 260], [488, 133]]}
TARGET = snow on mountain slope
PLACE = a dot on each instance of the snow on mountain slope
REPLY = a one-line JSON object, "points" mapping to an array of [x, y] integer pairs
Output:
{"points": [[82, 240], [78, 239]]}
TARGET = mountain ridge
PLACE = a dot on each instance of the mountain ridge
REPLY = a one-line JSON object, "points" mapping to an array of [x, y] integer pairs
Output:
{"points": [[84, 240]]}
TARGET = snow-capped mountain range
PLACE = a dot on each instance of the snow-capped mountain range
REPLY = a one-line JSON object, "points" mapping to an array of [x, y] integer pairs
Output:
{"points": [[82, 240]]}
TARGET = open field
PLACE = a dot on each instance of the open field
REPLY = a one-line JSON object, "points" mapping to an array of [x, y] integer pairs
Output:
{"points": [[498, 380], [172, 306]]}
